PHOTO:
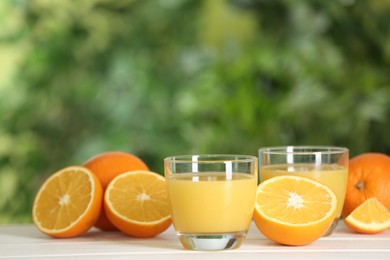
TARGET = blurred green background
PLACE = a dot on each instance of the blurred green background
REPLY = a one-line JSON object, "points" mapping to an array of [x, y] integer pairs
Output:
{"points": [[165, 77]]}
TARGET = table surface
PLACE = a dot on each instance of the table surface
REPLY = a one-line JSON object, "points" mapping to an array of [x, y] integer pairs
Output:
{"points": [[25, 241]]}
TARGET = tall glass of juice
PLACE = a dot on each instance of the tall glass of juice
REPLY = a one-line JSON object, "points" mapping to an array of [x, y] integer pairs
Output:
{"points": [[212, 198], [325, 164]]}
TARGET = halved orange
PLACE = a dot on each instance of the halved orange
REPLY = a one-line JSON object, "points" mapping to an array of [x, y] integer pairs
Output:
{"points": [[136, 202], [369, 218], [293, 210], [68, 203]]}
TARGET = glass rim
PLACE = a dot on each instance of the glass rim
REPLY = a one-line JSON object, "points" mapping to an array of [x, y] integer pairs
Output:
{"points": [[303, 149], [210, 158]]}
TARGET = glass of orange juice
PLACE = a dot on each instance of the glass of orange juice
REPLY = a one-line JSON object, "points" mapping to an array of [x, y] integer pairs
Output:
{"points": [[212, 198], [325, 164]]}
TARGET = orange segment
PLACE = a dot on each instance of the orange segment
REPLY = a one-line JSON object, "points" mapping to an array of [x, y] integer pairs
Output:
{"points": [[293, 210], [68, 203], [369, 218], [136, 203]]}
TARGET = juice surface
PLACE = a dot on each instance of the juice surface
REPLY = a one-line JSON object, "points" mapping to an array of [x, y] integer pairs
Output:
{"points": [[331, 175], [208, 203]]}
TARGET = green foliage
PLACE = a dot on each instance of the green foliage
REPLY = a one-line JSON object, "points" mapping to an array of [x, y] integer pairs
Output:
{"points": [[166, 77]]}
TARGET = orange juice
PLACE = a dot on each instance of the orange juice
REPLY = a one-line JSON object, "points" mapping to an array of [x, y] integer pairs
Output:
{"points": [[332, 175], [208, 203]]}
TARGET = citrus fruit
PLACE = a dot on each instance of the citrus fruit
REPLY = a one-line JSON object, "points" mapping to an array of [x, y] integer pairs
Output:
{"points": [[369, 218], [368, 176], [293, 210], [136, 203], [68, 203], [106, 166]]}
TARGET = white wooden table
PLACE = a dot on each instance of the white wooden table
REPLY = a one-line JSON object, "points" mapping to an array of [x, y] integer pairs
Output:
{"points": [[25, 241]]}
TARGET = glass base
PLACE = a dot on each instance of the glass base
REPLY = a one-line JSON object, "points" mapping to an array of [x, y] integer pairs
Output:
{"points": [[211, 242], [332, 227]]}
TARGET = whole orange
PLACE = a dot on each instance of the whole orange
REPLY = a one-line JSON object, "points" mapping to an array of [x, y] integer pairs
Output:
{"points": [[368, 177], [108, 165]]}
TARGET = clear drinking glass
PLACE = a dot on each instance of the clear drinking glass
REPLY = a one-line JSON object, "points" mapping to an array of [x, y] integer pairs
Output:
{"points": [[212, 199], [325, 164]]}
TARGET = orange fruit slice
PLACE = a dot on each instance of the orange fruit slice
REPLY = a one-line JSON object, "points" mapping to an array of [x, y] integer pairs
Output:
{"points": [[293, 210], [369, 218], [107, 166], [136, 203], [68, 203]]}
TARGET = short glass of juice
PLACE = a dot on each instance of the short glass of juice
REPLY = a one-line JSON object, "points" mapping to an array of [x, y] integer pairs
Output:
{"points": [[212, 198], [325, 164]]}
